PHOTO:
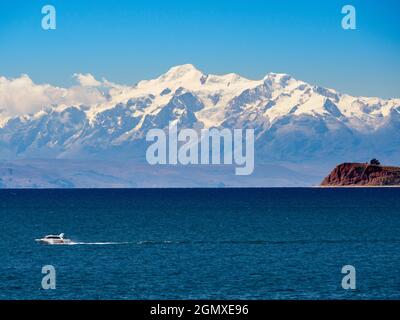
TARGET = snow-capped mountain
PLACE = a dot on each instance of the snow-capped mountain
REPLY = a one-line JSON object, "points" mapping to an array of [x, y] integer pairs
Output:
{"points": [[293, 120]]}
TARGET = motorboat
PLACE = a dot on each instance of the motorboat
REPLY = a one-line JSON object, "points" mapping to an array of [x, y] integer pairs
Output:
{"points": [[54, 239]]}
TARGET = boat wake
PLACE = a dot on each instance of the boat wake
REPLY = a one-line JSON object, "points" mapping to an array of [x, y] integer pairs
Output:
{"points": [[98, 243], [143, 242], [164, 242]]}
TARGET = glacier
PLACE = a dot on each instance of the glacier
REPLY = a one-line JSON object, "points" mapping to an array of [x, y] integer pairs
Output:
{"points": [[97, 138]]}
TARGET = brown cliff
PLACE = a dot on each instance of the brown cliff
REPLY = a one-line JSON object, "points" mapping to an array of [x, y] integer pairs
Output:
{"points": [[362, 174]]}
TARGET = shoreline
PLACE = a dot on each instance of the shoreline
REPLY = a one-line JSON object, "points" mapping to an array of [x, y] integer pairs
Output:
{"points": [[205, 188]]}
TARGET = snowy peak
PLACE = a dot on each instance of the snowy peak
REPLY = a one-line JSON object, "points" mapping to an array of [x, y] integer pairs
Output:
{"points": [[192, 75], [281, 81], [232, 80], [290, 117], [278, 77], [185, 71], [191, 78], [186, 76]]}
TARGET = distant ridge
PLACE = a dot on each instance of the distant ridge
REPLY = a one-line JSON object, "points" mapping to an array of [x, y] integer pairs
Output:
{"points": [[293, 121], [301, 130]]}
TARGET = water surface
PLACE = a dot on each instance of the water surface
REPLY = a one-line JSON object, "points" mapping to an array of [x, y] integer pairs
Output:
{"points": [[201, 243]]}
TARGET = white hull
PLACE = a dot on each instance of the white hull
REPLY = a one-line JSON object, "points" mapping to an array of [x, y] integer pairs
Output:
{"points": [[52, 239]]}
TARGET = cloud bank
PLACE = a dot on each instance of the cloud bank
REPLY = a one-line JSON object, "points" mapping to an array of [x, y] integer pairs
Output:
{"points": [[87, 80], [21, 95]]}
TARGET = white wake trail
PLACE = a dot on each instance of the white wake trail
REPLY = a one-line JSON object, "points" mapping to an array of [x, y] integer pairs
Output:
{"points": [[98, 243]]}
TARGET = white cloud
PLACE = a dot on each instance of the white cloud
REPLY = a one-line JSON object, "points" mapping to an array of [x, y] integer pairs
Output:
{"points": [[21, 95], [87, 80]]}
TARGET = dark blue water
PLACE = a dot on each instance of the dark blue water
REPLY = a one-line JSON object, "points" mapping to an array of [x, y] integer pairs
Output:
{"points": [[201, 244]]}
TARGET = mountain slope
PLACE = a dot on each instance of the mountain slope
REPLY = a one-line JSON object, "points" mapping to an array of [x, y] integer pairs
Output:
{"points": [[293, 120]]}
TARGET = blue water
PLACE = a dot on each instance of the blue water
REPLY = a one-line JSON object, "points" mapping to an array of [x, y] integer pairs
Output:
{"points": [[201, 243]]}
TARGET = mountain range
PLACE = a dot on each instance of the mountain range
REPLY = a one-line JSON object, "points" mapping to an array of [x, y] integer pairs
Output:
{"points": [[300, 129]]}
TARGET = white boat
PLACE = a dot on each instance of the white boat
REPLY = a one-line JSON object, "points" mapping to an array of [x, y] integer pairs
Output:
{"points": [[54, 239]]}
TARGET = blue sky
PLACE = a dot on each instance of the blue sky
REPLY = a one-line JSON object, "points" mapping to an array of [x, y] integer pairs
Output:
{"points": [[126, 41]]}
